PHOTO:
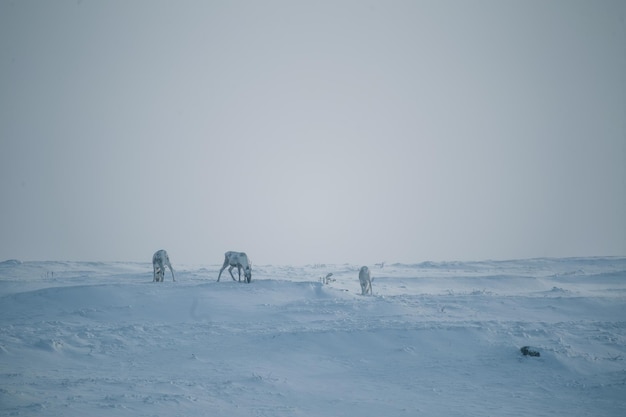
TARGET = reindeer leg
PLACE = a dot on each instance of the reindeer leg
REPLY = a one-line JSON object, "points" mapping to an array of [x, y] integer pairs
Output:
{"points": [[171, 270], [230, 270], [221, 270]]}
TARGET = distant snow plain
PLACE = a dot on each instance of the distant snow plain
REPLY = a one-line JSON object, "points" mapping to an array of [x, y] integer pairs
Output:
{"points": [[434, 339]]}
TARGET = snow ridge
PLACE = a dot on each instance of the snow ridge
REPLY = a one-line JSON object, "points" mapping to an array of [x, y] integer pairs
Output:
{"points": [[80, 338]]}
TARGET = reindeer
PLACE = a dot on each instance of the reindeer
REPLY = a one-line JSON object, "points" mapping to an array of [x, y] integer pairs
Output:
{"points": [[366, 281], [159, 261], [239, 260]]}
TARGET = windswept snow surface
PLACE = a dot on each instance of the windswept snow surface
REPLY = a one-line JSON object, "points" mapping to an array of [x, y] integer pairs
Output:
{"points": [[435, 339]]}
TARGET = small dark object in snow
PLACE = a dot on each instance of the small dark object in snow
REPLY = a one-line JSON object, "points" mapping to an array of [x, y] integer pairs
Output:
{"points": [[527, 351]]}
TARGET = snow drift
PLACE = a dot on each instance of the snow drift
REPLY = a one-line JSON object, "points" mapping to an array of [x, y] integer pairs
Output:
{"points": [[93, 339]]}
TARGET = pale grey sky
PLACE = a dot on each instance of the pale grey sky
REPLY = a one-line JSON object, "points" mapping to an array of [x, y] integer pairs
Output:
{"points": [[312, 132]]}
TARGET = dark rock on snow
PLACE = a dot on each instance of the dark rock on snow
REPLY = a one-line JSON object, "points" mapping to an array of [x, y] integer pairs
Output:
{"points": [[528, 351]]}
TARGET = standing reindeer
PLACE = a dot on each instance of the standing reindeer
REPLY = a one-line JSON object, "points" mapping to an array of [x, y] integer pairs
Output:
{"points": [[159, 261], [365, 280], [239, 260]]}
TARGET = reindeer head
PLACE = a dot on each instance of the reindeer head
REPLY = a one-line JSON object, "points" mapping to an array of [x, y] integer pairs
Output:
{"points": [[247, 272], [160, 274]]}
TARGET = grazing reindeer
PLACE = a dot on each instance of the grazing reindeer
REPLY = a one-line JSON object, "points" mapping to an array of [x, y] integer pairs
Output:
{"points": [[159, 261], [239, 260], [366, 280]]}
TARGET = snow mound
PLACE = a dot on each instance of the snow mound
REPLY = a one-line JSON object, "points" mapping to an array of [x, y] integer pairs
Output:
{"points": [[434, 339]]}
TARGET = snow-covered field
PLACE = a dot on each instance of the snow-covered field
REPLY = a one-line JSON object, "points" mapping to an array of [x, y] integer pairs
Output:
{"points": [[435, 339]]}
